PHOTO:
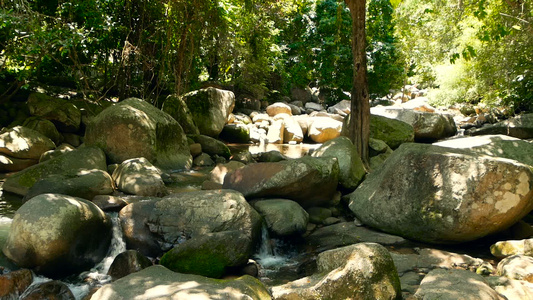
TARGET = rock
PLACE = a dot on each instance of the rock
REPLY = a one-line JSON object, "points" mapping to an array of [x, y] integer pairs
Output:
{"points": [[83, 184], [427, 259], [244, 157], [507, 248], [203, 160], [128, 262], [44, 126], [295, 109], [511, 289], [82, 159], [347, 233], [283, 217], [302, 95], [209, 254], [379, 152], [427, 126], [494, 145], [271, 156], [138, 176], [292, 132], [278, 108], [196, 149], [519, 127], [441, 195], [137, 235], [324, 129], [55, 290], [314, 106], [109, 203], [275, 132], [455, 285], [392, 132], [305, 122], [519, 267], [24, 143], [11, 164], [64, 114], [317, 215], [212, 146], [175, 106], [210, 109], [236, 133], [343, 107], [351, 167], [243, 103], [310, 181], [419, 104], [218, 173], [362, 271], [134, 128], [13, 284], [58, 235], [159, 282], [72, 139], [61, 149]]}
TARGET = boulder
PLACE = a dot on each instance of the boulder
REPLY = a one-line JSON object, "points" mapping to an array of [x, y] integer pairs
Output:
{"points": [[24, 143], [162, 283], [128, 262], [519, 267], [109, 203], [442, 195], [203, 160], [138, 176], [83, 184], [392, 132], [11, 164], [351, 167], [379, 152], [511, 289], [210, 109], [209, 254], [61, 149], [211, 146], [283, 217], [44, 126], [82, 159], [175, 106], [314, 106], [278, 108], [519, 127], [63, 113], [324, 129], [504, 249], [13, 284], [361, 271], [218, 173], [292, 132], [427, 259], [310, 181], [275, 132], [134, 128], [236, 133], [58, 235], [133, 221], [455, 285]]}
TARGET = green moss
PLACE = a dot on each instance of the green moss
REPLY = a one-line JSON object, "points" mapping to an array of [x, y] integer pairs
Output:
{"points": [[203, 261]]}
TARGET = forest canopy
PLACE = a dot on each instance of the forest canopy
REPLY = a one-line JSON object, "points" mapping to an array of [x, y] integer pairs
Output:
{"points": [[462, 50]]}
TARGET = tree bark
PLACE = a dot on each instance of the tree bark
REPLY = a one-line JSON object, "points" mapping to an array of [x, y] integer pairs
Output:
{"points": [[359, 126]]}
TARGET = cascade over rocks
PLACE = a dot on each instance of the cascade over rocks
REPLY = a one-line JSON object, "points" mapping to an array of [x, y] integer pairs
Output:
{"points": [[310, 181], [58, 235], [210, 109], [443, 195], [134, 128]]}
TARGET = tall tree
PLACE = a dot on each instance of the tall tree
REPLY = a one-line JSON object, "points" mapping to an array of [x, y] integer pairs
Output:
{"points": [[359, 126]]}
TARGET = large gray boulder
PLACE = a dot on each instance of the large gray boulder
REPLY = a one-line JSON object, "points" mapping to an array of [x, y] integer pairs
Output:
{"points": [[351, 167], [283, 217], [361, 271], [210, 109], [177, 108], [22, 147], [44, 126], [63, 113], [443, 195], [161, 283], [79, 160], [391, 131], [134, 128], [138, 176], [58, 235], [310, 181], [211, 145], [519, 127], [137, 235]]}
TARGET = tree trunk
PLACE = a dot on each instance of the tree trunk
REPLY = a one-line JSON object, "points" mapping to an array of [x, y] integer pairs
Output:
{"points": [[359, 126]]}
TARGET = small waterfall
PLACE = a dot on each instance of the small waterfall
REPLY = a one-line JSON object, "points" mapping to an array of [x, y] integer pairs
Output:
{"points": [[268, 255]]}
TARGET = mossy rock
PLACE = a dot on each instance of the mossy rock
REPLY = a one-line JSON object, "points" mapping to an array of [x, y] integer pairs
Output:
{"points": [[211, 145], [45, 127], [61, 112], [392, 132], [177, 108]]}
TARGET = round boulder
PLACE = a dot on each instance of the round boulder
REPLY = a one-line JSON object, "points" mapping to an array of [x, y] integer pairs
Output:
{"points": [[138, 176], [283, 217]]}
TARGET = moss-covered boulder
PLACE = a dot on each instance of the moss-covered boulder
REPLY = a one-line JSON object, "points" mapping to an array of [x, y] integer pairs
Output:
{"points": [[209, 254], [392, 132], [63, 113], [283, 217], [58, 235], [210, 109], [162, 283], [45, 127], [236, 133], [134, 128], [177, 108], [81, 159], [211, 145]]}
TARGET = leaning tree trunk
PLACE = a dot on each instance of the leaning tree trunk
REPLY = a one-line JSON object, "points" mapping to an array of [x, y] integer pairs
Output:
{"points": [[359, 126]]}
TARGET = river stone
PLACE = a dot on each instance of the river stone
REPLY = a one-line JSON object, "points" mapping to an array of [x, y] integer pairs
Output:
{"points": [[504, 249], [177, 108], [278, 108], [455, 285], [134, 128], [55, 290], [275, 132], [13, 284], [292, 132], [443, 195], [211, 146], [128, 262], [210, 109], [209, 254], [324, 129], [58, 235], [236, 133], [361, 271], [351, 167], [428, 259], [511, 289], [162, 283], [44, 126], [203, 160], [61, 149], [137, 235], [138, 176], [11, 164], [519, 127], [518, 267], [218, 173], [310, 181], [63, 113], [84, 184], [283, 217], [392, 132], [82, 159], [24, 143]]}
